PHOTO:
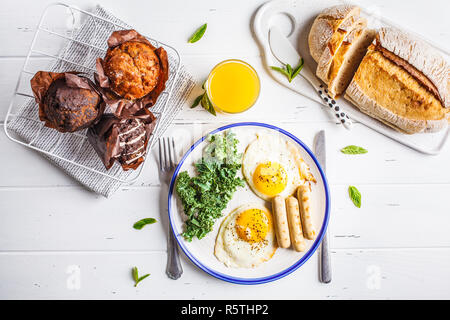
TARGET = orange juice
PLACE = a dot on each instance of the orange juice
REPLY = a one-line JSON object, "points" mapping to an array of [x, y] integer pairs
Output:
{"points": [[233, 86]]}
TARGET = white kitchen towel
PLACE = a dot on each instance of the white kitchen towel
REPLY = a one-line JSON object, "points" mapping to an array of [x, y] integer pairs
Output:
{"points": [[79, 55]]}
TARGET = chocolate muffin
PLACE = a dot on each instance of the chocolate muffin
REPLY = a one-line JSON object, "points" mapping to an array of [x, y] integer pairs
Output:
{"points": [[133, 69], [67, 102], [131, 141], [123, 140], [70, 109]]}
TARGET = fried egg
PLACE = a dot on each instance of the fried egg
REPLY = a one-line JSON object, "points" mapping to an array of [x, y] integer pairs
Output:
{"points": [[246, 237], [270, 166]]}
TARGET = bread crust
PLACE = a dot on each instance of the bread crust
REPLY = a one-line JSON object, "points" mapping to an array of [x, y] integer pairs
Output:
{"points": [[397, 91], [422, 61], [402, 124], [337, 19]]}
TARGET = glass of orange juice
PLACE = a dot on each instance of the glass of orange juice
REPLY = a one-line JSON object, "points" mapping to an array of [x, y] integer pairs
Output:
{"points": [[232, 86]]}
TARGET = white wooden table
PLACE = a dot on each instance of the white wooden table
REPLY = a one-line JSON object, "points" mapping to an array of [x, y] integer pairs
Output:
{"points": [[58, 240]]}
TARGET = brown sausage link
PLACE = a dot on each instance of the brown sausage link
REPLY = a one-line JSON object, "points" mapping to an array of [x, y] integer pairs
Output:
{"points": [[304, 196], [281, 222], [295, 226]]}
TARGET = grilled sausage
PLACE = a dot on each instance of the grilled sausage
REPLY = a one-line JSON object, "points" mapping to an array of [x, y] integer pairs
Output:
{"points": [[295, 226], [304, 196], [281, 222]]}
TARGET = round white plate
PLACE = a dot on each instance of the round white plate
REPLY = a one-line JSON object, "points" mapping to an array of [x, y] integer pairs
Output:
{"points": [[284, 261]]}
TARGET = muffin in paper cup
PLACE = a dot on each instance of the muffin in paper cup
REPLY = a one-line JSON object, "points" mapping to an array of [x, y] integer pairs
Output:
{"points": [[68, 102], [132, 74], [122, 139]]}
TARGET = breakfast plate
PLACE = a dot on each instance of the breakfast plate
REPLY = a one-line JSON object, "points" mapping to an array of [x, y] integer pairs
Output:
{"points": [[202, 251]]}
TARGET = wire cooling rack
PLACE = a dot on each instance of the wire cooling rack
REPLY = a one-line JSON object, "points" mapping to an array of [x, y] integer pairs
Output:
{"points": [[70, 39]]}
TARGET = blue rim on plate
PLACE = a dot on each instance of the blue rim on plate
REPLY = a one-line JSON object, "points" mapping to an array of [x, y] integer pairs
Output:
{"points": [[284, 272]]}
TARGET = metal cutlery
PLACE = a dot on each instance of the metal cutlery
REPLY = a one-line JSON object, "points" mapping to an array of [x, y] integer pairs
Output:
{"points": [[324, 256], [283, 50], [167, 164]]}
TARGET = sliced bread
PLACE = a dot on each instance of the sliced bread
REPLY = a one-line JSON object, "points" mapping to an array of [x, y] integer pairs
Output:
{"points": [[347, 60], [325, 61], [397, 84], [338, 72], [330, 28]]}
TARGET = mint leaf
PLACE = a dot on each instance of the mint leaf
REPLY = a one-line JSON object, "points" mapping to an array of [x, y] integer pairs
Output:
{"points": [[134, 273], [197, 100], [141, 223], [136, 278], [297, 70], [353, 150], [355, 195], [288, 71], [206, 103], [198, 34], [142, 278], [282, 70]]}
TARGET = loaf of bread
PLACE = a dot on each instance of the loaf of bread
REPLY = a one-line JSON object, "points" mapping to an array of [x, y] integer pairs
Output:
{"points": [[403, 82], [389, 75]]}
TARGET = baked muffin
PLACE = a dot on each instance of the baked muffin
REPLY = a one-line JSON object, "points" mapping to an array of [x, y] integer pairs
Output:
{"points": [[123, 140], [133, 69], [132, 141], [67, 102], [133, 73]]}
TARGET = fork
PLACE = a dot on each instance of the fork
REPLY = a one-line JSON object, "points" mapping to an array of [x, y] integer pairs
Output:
{"points": [[167, 165]]}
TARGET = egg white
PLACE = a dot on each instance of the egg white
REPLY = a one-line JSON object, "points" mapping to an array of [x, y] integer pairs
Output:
{"points": [[237, 253], [270, 148]]}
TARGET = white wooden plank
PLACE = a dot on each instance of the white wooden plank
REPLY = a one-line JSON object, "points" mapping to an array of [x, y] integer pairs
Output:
{"points": [[392, 216], [386, 162], [150, 20], [27, 167], [185, 17], [83, 220], [380, 274], [398, 216]]}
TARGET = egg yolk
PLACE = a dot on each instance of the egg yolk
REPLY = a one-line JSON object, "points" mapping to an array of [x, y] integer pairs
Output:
{"points": [[270, 178], [252, 225]]}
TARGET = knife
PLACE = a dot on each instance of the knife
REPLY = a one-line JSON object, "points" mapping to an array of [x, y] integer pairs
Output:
{"points": [[283, 50], [324, 257]]}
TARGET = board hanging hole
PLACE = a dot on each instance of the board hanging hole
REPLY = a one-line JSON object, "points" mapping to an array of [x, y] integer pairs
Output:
{"points": [[285, 22]]}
